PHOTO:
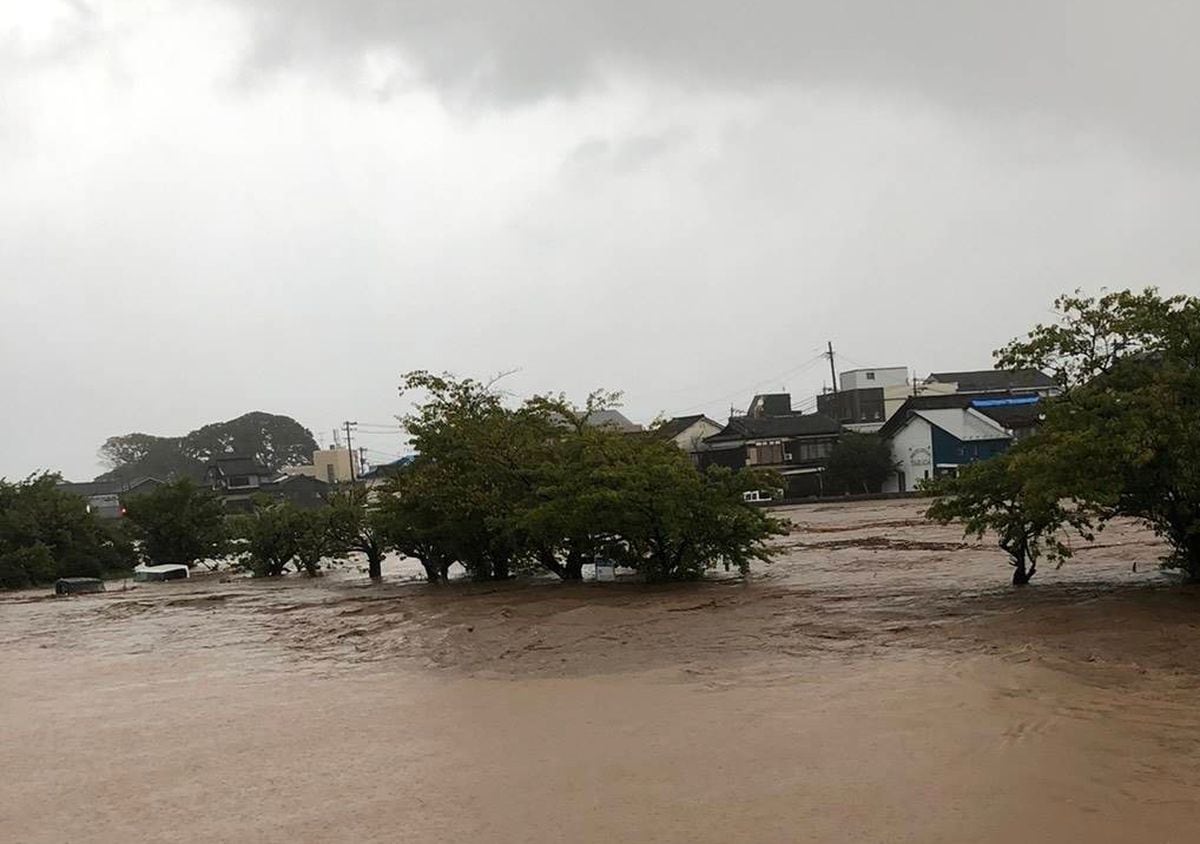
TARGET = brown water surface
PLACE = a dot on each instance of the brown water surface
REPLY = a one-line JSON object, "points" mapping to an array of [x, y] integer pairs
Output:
{"points": [[879, 682]]}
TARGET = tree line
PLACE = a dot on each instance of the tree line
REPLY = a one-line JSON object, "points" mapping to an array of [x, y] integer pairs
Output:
{"points": [[497, 490]]}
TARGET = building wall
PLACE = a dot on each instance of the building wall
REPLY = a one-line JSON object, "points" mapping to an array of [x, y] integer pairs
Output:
{"points": [[951, 451], [912, 451], [862, 379], [692, 439], [331, 465]]}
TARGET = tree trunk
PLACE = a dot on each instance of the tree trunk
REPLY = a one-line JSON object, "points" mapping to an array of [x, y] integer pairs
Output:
{"points": [[374, 565], [1021, 574], [550, 562], [500, 569], [573, 570], [431, 570]]}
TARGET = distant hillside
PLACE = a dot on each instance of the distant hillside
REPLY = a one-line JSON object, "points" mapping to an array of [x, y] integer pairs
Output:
{"points": [[274, 440]]}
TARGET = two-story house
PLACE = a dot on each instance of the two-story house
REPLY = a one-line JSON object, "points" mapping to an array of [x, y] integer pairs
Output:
{"points": [[774, 437]]}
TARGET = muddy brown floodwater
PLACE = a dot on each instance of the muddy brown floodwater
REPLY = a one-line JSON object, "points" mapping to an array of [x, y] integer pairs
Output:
{"points": [[878, 682]]}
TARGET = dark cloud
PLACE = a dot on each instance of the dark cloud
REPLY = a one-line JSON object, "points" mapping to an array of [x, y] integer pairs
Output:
{"points": [[1103, 65]]}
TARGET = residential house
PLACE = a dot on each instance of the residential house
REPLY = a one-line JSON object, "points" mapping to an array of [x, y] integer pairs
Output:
{"points": [[1003, 381], [239, 480], [935, 435], [106, 499], [687, 432], [772, 436]]}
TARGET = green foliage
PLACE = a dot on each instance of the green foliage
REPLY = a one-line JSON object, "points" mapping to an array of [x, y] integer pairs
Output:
{"points": [[178, 523], [1125, 436], [47, 533], [497, 489], [995, 496], [416, 514], [277, 534], [275, 441], [357, 526], [859, 463]]}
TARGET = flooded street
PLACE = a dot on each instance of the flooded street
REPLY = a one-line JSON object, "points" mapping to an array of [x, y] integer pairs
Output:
{"points": [[878, 682]]}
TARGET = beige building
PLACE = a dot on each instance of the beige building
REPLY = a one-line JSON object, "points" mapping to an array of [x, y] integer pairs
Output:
{"points": [[331, 465]]}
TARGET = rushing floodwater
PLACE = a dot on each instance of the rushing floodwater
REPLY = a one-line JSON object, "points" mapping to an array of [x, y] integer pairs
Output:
{"points": [[880, 682]]}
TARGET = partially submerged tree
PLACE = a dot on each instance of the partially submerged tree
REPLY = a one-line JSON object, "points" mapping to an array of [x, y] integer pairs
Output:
{"points": [[270, 535], [179, 522], [1125, 436], [497, 489], [357, 525], [992, 497]]}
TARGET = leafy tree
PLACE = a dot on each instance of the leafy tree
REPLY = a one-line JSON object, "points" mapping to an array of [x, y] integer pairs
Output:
{"points": [[271, 537], [358, 526], [274, 441], [277, 533], [179, 522], [47, 532], [416, 515], [487, 454], [316, 539], [859, 463], [1125, 435], [144, 456], [994, 496], [671, 521]]}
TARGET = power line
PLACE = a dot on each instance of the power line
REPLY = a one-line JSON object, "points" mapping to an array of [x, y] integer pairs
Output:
{"points": [[774, 378]]}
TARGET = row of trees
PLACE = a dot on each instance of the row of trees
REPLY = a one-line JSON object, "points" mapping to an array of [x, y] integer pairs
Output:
{"points": [[495, 489], [1123, 439]]}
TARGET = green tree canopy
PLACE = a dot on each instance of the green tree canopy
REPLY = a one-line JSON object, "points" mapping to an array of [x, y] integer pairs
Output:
{"points": [[497, 489], [179, 522], [1125, 435], [859, 463], [997, 496], [274, 441], [47, 533]]}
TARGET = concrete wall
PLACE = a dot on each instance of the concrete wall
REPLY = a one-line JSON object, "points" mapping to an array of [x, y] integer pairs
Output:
{"points": [[864, 379], [331, 465]]}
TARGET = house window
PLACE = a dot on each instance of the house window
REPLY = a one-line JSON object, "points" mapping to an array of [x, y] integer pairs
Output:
{"points": [[236, 481], [813, 451], [764, 454], [870, 376]]}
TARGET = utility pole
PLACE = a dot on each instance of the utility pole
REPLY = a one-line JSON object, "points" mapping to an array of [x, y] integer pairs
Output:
{"points": [[350, 448], [832, 369]]}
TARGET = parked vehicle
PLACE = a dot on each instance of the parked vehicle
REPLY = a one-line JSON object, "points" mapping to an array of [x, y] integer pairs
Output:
{"points": [[170, 571]]}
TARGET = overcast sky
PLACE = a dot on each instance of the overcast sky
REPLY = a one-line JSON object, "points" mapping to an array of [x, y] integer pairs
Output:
{"points": [[213, 207]]}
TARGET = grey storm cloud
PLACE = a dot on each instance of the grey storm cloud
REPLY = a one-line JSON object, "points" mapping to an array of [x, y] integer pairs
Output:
{"points": [[1107, 65]]}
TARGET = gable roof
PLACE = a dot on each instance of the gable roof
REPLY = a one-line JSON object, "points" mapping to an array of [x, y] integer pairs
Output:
{"points": [[232, 464], [775, 427], [610, 419], [672, 428], [963, 423], [1020, 410], [115, 487], [992, 380]]}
